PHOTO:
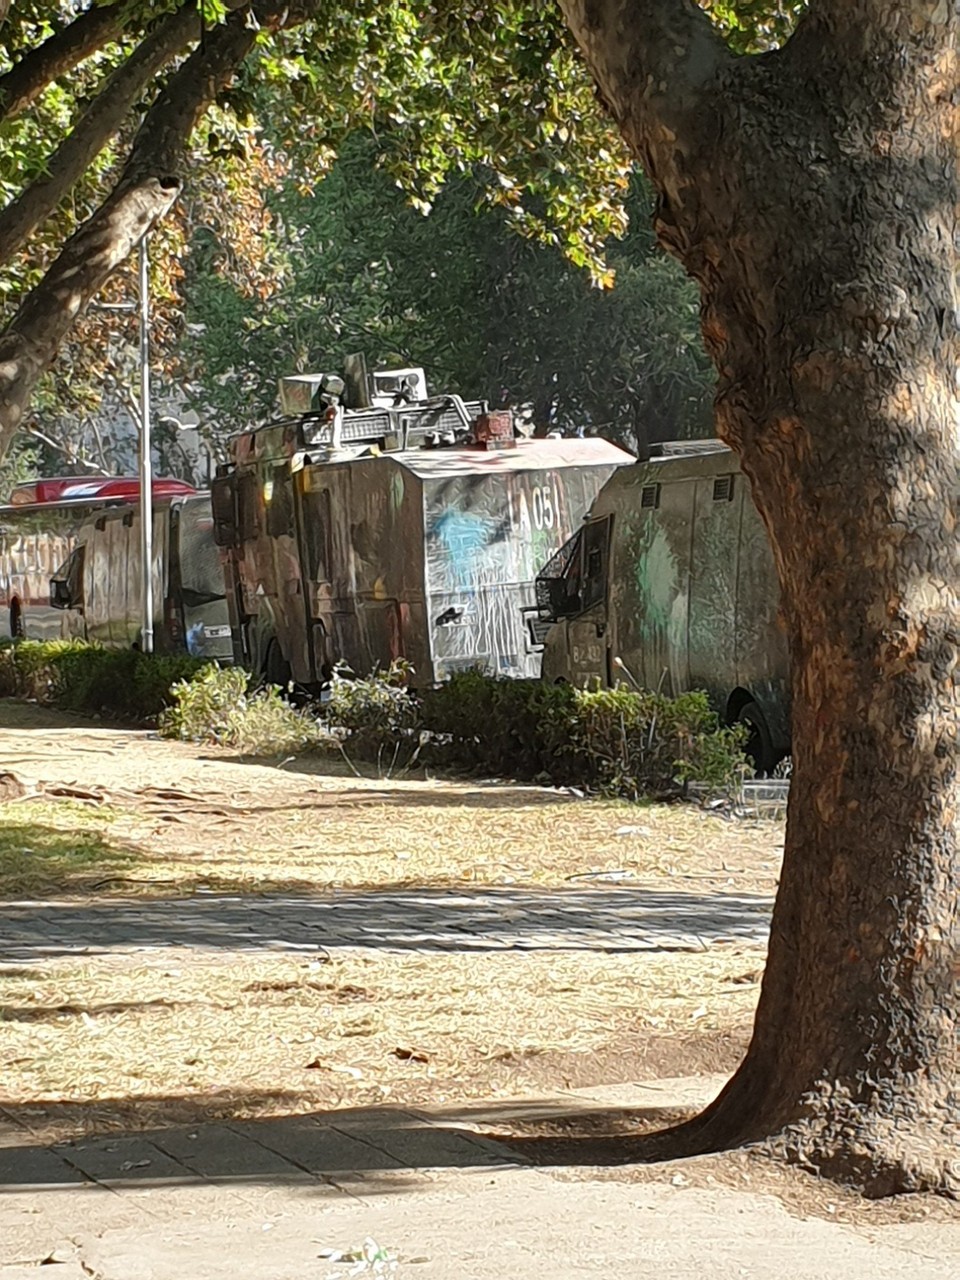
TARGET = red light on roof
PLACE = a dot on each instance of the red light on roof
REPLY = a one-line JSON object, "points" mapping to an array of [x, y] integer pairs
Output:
{"points": [[97, 489]]}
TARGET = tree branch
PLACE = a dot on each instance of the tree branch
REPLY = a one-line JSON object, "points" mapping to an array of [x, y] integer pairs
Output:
{"points": [[73, 456], [98, 124], [24, 82], [148, 186], [160, 141], [130, 404], [854, 32]]}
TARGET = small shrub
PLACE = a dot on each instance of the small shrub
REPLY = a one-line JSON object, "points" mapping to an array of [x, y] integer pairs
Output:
{"points": [[518, 727], [92, 679], [155, 676], [641, 743], [217, 705], [374, 715], [616, 741], [30, 668]]}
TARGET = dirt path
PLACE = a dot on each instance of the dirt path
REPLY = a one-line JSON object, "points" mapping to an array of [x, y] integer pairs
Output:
{"points": [[199, 814]]}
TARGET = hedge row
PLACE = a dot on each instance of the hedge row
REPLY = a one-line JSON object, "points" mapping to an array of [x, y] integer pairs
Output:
{"points": [[77, 676], [612, 741], [615, 741]]}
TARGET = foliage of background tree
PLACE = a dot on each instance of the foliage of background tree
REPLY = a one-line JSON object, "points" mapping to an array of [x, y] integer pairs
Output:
{"points": [[96, 130], [487, 312], [112, 115]]}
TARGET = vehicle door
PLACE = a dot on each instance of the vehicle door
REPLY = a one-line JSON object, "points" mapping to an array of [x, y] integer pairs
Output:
{"points": [[66, 593], [572, 589], [199, 583], [587, 630]]}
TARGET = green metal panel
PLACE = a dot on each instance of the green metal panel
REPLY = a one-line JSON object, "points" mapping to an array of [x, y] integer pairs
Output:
{"points": [[692, 597], [712, 624]]}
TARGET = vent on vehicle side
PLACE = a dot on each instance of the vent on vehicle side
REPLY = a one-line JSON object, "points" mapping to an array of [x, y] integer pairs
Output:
{"points": [[650, 496], [723, 489]]}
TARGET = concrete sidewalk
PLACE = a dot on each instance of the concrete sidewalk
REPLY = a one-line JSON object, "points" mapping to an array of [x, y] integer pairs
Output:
{"points": [[277, 1199]]}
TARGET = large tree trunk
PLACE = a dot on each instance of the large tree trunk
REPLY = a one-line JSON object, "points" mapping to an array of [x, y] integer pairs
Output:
{"points": [[814, 194]]}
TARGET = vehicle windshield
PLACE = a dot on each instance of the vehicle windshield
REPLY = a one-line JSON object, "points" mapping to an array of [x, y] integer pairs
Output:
{"points": [[201, 573]]}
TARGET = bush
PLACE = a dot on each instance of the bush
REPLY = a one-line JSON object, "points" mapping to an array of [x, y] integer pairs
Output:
{"points": [[22, 674], [615, 741], [375, 715], [634, 744], [218, 705], [520, 727], [78, 676]]}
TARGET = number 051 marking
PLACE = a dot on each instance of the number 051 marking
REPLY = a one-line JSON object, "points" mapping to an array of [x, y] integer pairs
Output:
{"points": [[544, 510]]}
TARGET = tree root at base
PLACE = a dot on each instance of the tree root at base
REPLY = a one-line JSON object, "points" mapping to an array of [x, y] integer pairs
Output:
{"points": [[874, 1156]]}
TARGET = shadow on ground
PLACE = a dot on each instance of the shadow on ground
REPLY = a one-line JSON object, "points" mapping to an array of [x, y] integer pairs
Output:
{"points": [[611, 920], [57, 1012], [453, 790], [38, 859], [16, 713], [373, 1149]]}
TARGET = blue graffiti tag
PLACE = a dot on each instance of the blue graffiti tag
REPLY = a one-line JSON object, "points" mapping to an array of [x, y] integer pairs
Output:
{"points": [[464, 537]]}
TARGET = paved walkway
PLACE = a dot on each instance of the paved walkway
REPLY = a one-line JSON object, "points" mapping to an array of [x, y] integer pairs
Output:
{"points": [[597, 919], [279, 1199]]}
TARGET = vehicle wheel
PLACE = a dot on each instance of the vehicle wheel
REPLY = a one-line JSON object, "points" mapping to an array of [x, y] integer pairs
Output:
{"points": [[17, 629], [276, 669], [759, 745]]}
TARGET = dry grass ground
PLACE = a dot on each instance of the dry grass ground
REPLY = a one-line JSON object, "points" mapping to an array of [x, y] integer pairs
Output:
{"points": [[121, 1044], [116, 1041]]}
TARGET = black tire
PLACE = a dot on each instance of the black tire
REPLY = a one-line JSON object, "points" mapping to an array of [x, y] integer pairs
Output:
{"points": [[276, 669], [759, 745]]}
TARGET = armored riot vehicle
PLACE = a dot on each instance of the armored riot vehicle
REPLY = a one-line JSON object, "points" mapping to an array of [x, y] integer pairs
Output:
{"points": [[376, 521], [670, 583]]}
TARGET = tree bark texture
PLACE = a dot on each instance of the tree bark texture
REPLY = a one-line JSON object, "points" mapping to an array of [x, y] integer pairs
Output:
{"points": [[101, 121], [148, 186], [65, 49], [813, 194]]}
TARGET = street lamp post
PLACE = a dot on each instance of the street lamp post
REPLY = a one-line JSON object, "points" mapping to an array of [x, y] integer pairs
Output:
{"points": [[146, 465]]}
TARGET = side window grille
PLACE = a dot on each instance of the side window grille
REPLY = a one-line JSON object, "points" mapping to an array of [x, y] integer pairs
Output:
{"points": [[650, 496], [723, 489]]}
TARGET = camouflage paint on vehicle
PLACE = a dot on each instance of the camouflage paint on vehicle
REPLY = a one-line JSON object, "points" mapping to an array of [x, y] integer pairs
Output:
{"points": [[442, 573], [689, 597]]}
